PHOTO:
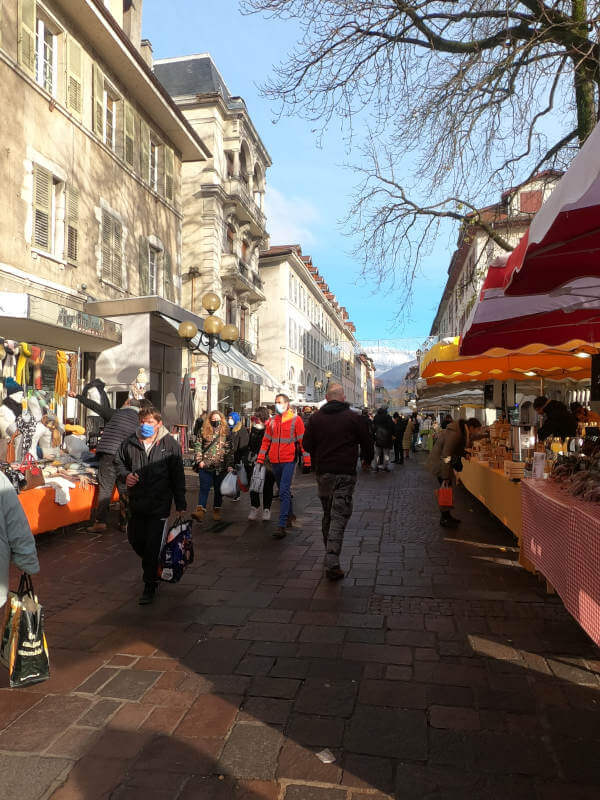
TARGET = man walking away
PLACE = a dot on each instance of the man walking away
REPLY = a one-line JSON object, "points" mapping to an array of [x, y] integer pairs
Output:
{"points": [[384, 428], [151, 464], [120, 426], [333, 438], [399, 428], [281, 442]]}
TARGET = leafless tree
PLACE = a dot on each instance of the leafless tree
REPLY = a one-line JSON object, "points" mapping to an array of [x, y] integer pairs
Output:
{"points": [[462, 98]]}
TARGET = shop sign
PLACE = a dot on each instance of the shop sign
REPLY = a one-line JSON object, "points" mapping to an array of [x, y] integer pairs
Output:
{"points": [[73, 320], [13, 304]]}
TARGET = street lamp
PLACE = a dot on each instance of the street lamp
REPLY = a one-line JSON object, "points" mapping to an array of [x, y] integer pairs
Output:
{"points": [[328, 375], [215, 334], [318, 387]]}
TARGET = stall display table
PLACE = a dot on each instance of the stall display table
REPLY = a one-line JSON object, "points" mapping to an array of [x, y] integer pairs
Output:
{"points": [[561, 537], [44, 514]]}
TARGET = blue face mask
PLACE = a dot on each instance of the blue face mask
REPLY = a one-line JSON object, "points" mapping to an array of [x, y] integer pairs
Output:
{"points": [[281, 408], [146, 430]]}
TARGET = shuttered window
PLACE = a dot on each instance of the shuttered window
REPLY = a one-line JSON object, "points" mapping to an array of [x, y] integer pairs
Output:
{"points": [[98, 102], [169, 174], [168, 283], [27, 17], [129, 135], [42, 208], [145, 151], [144, 278], [72, 225], [74, 89], [112, 249]]}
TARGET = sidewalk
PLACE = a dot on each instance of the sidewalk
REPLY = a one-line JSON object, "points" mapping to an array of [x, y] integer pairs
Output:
{"points": [[437, 669]]}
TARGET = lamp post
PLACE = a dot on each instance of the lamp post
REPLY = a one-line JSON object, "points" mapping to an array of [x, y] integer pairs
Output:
{"points": [[328, 375], [215, 334], [318, 387]]}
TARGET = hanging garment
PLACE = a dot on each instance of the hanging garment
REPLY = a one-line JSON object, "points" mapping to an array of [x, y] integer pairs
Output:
{"points": [[26, 426], [23, 364], [73, 375], [9, 364], [37, 359], [60, 382]]}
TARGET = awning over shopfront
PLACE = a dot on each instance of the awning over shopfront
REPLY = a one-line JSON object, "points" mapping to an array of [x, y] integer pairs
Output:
{"points": [[24, 317], [233, 363]]}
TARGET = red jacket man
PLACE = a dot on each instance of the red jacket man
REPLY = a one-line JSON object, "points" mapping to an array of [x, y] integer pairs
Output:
{"points": [[280, 445]]}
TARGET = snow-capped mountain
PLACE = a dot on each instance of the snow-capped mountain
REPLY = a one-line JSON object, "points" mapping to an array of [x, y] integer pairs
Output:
{"points": [[395, 377], [386, 357]]}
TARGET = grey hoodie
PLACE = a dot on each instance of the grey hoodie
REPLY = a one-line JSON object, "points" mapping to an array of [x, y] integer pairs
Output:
{"points": [[16, 539]]}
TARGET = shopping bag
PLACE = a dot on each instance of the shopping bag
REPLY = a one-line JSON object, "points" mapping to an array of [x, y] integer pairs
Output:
{"points": [[176, 551], [23, 648], [258, 478], [33, 474], [242, 477], [229, 486], [445, 497]]}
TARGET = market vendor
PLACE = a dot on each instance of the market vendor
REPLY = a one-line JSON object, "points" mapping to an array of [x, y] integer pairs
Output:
{"points": [[557, 419], [583, 415]]}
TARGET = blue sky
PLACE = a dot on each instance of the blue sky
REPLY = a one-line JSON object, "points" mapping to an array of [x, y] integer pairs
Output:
{"points": [[309, 188]]}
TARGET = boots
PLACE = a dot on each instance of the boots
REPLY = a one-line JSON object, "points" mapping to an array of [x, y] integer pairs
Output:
{"points": [[199, 513], [216, 514], [148, 594]]}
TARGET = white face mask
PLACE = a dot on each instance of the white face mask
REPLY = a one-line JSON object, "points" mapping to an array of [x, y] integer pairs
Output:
{"points": [[281, 408]]}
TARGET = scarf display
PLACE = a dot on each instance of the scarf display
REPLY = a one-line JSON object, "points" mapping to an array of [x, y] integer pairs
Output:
{"points": [[37, 359], [26, 425], [23, 364], [73, 376], [10, 360], [16, 408], [60, 383]]}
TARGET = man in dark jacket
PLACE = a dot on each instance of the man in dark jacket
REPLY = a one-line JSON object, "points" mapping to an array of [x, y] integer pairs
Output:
{"points": [[383, 426], [399, 428], [333, 438], [151, 464], [120, 426], [558, 420]]}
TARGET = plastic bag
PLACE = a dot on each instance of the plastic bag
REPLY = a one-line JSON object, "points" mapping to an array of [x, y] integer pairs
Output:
{"points": [[445, 497], [242, 477], [229, 486], [23, 647], [176, 551], [258, 478]]}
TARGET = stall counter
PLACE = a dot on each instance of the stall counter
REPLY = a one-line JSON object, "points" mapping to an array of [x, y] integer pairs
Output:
{"points": [[44, 514]]}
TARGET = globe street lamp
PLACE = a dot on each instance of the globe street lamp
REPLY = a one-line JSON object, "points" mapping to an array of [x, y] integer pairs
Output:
{"points": [[215, 334], [318, 387], [328, 375]]}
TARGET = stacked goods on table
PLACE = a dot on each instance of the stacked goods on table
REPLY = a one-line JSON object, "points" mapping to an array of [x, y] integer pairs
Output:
{"points": [[579, 475], [490, 453], [514, 470], [501, 434]]}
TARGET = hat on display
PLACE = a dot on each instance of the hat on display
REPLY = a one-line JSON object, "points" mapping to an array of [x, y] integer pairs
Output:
{"points": [[11, 386]]}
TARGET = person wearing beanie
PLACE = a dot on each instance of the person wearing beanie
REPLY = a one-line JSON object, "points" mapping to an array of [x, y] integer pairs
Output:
{"points": [[11, 408], [239, 437]]}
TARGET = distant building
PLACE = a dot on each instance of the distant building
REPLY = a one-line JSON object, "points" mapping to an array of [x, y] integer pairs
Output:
{"points": [[306, 338], [475, 249]]}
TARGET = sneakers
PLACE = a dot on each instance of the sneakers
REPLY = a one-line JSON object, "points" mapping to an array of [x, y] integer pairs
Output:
{"points": [[266, 515], [216, 514], [253, 515], [279, 533], [148, 595], [334, 574], [199, 513], [97, 527]]}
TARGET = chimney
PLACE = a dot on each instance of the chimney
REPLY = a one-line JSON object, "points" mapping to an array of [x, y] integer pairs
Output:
{"points": [[132, 22], [146, 51]]}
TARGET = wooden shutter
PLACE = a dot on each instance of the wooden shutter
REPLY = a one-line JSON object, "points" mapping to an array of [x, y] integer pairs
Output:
{"points": [[143, 268], [42, 207], [27, 17], [74, 90], [72, 225], [169, 173], [117, 253], [160, 169], [98, 101], [168, 285], [144, 151], [129, 135], [119, 123], [107, 237]]}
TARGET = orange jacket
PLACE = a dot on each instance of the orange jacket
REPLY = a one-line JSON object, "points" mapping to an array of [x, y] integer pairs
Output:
{"points": [[283, 435]]}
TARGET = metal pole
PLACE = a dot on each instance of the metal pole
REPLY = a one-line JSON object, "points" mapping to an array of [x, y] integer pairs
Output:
{"points": [[211, 344]]}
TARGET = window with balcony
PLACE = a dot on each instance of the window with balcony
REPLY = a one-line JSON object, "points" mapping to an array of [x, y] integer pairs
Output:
{"points": [[229, 311], [245, 251], [244, 319], [228, 239]]}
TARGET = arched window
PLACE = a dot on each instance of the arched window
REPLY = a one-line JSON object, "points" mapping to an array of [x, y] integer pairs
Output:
{"points": [[244, 163], [292, 375]]}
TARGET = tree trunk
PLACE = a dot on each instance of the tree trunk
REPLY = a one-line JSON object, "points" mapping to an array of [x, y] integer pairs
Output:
{"points": [[585, 85]]}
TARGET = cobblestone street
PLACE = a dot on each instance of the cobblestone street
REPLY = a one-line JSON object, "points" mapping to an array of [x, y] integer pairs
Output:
{"points": [[438, 669]]}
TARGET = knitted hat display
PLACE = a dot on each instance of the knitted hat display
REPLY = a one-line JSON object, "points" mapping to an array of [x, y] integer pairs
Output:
{"points": [[11, 386]]}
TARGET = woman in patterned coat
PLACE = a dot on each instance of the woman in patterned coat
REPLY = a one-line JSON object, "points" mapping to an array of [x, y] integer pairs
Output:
{"points": [[214, 458]]}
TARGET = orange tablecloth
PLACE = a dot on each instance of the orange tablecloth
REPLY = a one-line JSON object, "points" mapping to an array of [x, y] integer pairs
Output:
{"points": [[45, 515]]}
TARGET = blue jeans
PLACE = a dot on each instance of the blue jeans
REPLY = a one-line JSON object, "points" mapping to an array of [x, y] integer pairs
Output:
{"points": [[283, 474], [210, 479]]}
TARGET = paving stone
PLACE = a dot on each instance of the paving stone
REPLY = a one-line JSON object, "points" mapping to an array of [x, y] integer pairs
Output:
{"points": [[387, 733], [129, 684], [270, 632], [361, 620], [210, 716], [251, 752], [255, 665], [327, 697], [368, 772], [382, 653], [335, 670], [34, 730], [295, 792], [300, 763], [290, 668], [459, 719], [188, 757], [92, 778], [322, 635], [216, 656], [13, 704], [285, 688], [316, 730], [74, 743], [29, 777], [266, 709], [394, 694], [223, 615]]}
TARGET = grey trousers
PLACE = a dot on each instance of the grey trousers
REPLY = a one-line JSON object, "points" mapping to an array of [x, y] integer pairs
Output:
{"points": [[336, 495]]}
